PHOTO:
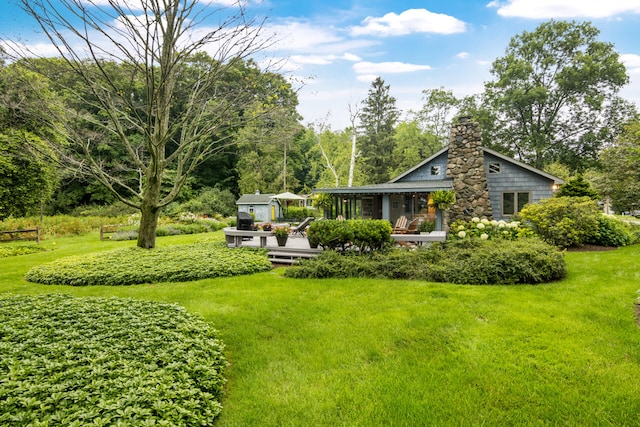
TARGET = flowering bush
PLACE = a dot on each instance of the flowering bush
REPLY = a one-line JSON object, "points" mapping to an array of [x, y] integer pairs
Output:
{"points": [[485, 229], [282, 231]]}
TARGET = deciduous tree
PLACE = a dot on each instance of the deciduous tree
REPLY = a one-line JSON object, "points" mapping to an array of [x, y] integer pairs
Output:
{"points": [[553, 93], [134, 60]]}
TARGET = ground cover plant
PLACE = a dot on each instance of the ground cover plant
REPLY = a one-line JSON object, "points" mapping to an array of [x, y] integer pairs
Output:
{"points": [[366, 351], [106, 361], [9, 251], [468, 261], [130, 266]]}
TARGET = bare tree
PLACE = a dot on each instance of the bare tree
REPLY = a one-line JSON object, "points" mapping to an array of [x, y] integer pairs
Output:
{"points": [[354, 113], [165, 128]]}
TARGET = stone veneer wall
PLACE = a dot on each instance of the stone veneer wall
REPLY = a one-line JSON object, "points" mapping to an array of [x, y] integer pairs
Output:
{"points": [[465, 165]]}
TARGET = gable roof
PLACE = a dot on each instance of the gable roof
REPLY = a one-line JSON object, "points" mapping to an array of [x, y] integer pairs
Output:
{"points": [[255, 199], [391, 187], [486, 150]]}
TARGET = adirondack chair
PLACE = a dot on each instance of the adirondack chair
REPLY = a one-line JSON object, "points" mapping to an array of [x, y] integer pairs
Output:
{"points": [[401, 225], [412, 228], [302, 227]]}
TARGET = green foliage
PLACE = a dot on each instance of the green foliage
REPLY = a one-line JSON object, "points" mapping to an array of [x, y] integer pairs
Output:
{"points": [[130, 266], [469, 261], [9, 251], [612, 232], [62, 225], [554, 95], [577, 187], [370, 234], [484, 229], [377, 121], [106, 361], [443, 199], [210, 202], [427, 226], [563, 221], [331, 234], [298, 213], [364, 234]]}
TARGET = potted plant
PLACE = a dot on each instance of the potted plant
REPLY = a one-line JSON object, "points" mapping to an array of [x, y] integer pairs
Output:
{"points": [[282, 234], [426, 227], [267, 226], [443, 200]]}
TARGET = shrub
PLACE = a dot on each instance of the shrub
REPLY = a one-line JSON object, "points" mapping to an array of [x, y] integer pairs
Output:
{"points": [[611, 232], [331, 234], [468, 261], [298, 213], [99, 361], [563, 221], [370, 234], [129, 266], [485, 230]]}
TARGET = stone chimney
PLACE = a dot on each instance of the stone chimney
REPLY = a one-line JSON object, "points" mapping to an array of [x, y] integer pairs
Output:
{"points": [[466, 166]]}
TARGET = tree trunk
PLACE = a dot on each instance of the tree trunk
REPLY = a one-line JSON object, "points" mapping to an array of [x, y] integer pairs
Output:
{"points": [[149, 211]]}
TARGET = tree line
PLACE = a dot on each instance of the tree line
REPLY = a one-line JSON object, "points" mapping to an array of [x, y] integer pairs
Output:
{"points": [[157, 121]]}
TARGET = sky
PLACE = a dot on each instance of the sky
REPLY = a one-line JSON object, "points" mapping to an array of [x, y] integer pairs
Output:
{"points": [[333, 49]]}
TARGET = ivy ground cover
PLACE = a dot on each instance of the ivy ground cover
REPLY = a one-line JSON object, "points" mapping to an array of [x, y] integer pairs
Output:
{"points": [[106, 361], [129, 266]]}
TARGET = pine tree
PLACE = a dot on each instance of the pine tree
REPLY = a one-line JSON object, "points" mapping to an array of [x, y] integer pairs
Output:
{"points": [[377, 122]]}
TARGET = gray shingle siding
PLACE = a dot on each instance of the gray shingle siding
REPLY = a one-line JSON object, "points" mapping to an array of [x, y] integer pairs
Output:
{"points": [[423, 173], [513, 178]]}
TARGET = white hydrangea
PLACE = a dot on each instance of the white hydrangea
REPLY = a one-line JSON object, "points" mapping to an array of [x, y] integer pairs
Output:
{"points": [[462, 234]]}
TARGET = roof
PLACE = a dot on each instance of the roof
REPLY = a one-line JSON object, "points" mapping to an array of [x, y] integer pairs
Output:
{"points": [[391, 187], [494, 153], [255, 199]]}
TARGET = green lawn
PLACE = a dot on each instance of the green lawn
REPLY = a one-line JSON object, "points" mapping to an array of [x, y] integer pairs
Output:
{"points": [[384, 352]]}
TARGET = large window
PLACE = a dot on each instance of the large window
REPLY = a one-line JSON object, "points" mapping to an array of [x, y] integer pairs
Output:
{"points": [[512, 202]]}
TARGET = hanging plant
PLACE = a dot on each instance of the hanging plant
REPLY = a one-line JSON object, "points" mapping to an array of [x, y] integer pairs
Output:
{"points": [[443, 199]]}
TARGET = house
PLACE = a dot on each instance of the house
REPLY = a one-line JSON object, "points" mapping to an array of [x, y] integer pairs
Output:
{"points": [[263, 207], [487, 184]]}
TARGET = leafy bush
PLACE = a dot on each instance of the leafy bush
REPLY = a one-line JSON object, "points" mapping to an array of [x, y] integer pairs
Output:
{"points": [[298, 213], [9, 251], [331, 234], [485, 229], [563, 221], [99, 361], [129, 266], [611, 232], [370, 234], [363, 234], [210, 202], [468, 261]]}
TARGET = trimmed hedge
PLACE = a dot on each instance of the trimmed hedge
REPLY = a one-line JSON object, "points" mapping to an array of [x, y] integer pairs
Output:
{"points": [[363, 234], [178, 263], [469, 261], [98, 361]]}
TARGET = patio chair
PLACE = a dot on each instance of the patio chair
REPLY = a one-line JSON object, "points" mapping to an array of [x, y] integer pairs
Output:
{"points": [[302, 227], [401, 225], [412, 228]]}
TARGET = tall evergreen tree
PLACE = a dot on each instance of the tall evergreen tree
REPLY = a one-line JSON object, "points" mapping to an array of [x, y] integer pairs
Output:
{"points": [[377, 122]]}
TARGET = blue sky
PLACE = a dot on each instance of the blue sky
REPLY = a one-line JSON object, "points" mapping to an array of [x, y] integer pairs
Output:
{"points": [[336, 47]]}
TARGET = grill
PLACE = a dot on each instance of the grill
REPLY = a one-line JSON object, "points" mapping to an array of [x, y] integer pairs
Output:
{"points": [[245, 221]]}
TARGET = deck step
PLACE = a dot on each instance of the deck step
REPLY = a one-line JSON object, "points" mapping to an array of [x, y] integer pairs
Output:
{"points": [[290, 257]]}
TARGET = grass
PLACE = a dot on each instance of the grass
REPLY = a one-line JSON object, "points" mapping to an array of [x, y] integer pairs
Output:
{"points": [[384, 352]]}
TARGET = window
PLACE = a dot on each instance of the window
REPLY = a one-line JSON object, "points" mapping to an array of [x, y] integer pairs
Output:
{"points": [[494, 167], [513, 202], [435, 170]]}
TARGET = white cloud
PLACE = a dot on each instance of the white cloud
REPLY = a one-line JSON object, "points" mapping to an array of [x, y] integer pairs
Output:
{"points": [[547, 9], [462, 55], [304, 37], [632, 62], [368, 68], [408, 22]]}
